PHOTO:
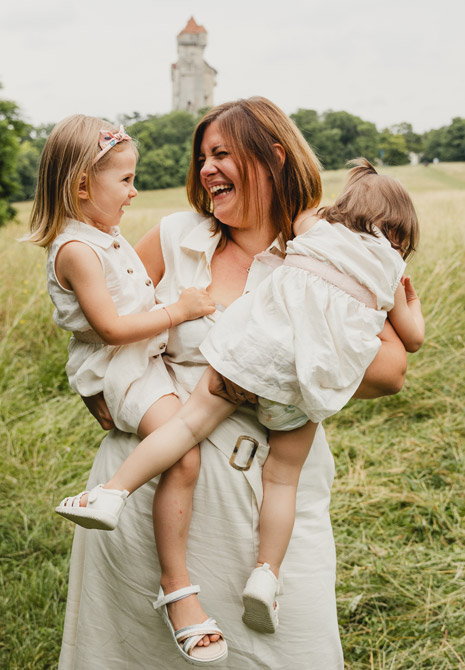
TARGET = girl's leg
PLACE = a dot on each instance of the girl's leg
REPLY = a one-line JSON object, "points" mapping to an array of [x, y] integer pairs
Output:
{"points": [[281, 472], [201, 414], [172, 510]]}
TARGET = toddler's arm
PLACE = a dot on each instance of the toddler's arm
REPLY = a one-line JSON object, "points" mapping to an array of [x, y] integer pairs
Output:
{"points": [[406, 316], [79, 269], [305, 221]]}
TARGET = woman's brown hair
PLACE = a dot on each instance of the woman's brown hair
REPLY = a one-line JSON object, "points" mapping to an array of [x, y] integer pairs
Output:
{"points": [[371, 202], [253, 127]]}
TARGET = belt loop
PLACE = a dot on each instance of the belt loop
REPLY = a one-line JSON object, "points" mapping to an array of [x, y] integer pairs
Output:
{"points": [[253, 449]]}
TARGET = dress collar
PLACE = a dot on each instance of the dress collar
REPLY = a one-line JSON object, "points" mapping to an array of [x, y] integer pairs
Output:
{"points": [[202, 240], [91, 234]]}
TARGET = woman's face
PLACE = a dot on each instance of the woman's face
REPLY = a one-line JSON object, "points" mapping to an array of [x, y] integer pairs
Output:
{"points": [[221, 178]]}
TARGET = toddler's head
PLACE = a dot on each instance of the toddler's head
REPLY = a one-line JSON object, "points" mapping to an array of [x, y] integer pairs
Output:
{"points": [[372, 201], [75, 153]]}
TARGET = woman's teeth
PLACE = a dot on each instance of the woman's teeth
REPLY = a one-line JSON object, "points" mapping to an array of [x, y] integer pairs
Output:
{"points": [[220, 188]]}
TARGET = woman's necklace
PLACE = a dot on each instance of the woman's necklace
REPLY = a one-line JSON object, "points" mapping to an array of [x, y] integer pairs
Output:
{"points": [[248, 259]]}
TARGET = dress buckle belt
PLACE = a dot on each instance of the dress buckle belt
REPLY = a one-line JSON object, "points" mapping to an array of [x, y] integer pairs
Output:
{"points": [[254, 444]]}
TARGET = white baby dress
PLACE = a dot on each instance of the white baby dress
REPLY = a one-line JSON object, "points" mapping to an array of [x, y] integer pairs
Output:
{"points": [[132, 376], [299, 340]]}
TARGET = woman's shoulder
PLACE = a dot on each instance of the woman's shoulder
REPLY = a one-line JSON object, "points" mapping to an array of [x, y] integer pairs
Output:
{"points": [[183, 221]]}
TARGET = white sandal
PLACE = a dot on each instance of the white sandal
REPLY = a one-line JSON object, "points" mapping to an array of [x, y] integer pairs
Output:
{"points": [[259, 598], [102, 511], [186, 638]]}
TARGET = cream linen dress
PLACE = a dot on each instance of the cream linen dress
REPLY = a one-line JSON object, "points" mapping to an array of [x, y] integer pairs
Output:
{"points": [[114, 577], [315, 340], [132, 376]]}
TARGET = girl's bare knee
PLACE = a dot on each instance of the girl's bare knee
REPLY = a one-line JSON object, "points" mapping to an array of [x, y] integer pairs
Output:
{"points": [[186, 470]]}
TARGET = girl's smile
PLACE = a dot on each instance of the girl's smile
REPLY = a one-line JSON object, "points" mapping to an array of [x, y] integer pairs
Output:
{"points": [[112, 189]]}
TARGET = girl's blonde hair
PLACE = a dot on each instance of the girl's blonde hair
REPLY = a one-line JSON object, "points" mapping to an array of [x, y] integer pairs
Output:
{"points": [[372, 201], [252, 127], [67, 159]]}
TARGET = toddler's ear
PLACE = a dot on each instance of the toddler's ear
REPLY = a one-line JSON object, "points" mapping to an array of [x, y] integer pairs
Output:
{"points": [[83, 193]]}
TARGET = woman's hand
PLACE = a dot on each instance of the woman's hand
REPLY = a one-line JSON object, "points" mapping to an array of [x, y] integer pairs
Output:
{"points": [[225, 388], [386, 374], [98, 408]]}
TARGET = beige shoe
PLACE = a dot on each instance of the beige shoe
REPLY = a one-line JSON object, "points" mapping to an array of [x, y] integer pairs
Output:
{"points": [[259, 598]]}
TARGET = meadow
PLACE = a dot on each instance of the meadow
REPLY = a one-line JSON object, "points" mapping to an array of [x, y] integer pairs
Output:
{"points": [[398, 501]]}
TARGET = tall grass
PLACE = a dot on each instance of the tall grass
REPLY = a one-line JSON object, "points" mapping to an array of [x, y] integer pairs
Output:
{"points": [[398, 501]]}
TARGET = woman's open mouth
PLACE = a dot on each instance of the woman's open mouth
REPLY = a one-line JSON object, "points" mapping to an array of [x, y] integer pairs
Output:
{"points": [[219, 190]]}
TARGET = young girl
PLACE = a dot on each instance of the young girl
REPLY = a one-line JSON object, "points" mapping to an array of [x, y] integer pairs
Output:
{"points": [[312, 328], [102, 293]]}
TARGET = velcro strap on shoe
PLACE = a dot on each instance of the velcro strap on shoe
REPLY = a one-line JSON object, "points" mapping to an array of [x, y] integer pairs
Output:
{"points": [[176, 595]]}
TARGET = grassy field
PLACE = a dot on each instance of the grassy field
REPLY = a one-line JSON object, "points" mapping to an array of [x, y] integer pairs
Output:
{"points": [[398, 500]]}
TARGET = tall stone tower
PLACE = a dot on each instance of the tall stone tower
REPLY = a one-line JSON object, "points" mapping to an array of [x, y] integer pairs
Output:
{"points": [[193, 79]]}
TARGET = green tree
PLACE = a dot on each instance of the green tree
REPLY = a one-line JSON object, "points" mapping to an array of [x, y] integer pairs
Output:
{"points": [[454, 141], [393, 149], [413, 141], [27, 169], [11, 130], [357, 137]]}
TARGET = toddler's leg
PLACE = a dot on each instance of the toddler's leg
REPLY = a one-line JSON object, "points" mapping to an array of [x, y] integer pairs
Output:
{"points": [[288, 451], [172, 510], [281, 472]]}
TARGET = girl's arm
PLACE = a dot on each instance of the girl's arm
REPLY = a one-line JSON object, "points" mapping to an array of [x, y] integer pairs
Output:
{"points": [[78, 268], [406, 316], [150, 252], [386, 374]]}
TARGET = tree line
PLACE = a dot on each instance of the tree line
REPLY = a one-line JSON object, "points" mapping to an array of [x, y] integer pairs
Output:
{"points": [[164, 143]]}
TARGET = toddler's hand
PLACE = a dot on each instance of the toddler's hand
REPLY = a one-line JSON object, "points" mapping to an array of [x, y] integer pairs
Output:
{"points": [[410, 293], [195, 302]]}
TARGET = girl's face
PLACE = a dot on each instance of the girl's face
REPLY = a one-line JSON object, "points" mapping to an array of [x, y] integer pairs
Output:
{"points": [[221, 178], [112, 189]]}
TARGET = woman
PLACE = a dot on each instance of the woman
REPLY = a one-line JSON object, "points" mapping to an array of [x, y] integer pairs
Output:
{"points": [[254, 172]]}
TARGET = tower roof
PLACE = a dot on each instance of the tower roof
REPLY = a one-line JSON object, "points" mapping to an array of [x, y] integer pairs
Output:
{"points": [[192, 28]]}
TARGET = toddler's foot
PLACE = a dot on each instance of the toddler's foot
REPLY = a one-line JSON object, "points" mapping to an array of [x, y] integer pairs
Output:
{"points": [[259, 598], [99, 508]]}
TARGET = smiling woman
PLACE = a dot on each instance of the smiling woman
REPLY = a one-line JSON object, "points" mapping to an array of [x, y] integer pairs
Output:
{"points": [[251, 174]]}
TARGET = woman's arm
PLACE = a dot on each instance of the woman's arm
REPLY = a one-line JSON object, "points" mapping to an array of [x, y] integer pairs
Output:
{"points": [[386, 374], [150, 252]]}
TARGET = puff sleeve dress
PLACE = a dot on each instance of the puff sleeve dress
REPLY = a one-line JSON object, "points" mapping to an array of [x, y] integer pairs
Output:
{"points": [[300, 340]]}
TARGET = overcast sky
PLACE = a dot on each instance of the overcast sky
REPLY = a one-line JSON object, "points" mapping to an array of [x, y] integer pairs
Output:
{"points": [[386, 61]]}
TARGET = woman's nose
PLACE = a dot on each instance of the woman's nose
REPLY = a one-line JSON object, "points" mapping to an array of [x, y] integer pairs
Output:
{"points": [[208, 167]]}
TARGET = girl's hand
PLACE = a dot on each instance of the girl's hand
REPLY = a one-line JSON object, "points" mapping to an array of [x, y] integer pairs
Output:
{"points": [[192, 304], [410, 293]]}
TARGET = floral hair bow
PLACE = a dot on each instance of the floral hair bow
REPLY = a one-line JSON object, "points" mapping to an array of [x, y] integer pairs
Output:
{"points": [[107, 140]]}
